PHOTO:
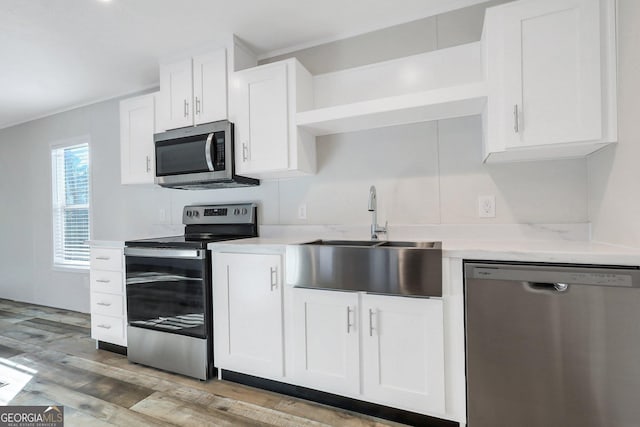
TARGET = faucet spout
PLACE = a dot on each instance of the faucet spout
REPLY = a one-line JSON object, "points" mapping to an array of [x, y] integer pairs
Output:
{"points": [[373, 205], [372, 198]]}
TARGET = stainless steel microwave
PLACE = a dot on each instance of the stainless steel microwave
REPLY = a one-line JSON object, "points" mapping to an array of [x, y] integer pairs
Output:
{"points": [[200, 157]]}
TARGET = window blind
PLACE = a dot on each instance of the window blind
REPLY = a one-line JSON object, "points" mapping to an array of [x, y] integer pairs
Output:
{"points": [[70, 166]]}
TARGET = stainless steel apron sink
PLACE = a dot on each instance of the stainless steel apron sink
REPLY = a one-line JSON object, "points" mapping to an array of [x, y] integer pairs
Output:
{"points": [[379, 267]]}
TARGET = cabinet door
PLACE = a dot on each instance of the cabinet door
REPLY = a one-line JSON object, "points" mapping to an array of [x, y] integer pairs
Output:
{"points": [[552, 72], [137, 126], [176, 93], [326, 331], [403, 352], [247, 312], [210, 87], [262, 127]]}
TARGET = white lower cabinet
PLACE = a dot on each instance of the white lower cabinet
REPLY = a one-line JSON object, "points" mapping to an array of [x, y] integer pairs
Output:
{"points": [[247, 313], [400, 362], [403, 352], [387, 350], [326, 340], [108, 299]]}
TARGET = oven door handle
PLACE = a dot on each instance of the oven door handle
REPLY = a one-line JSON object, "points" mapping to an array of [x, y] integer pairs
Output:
{"points": [[166, 253], [207, 152]]}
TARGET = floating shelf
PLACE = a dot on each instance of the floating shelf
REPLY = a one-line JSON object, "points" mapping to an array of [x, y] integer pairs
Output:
{"points": [[436, 104]]}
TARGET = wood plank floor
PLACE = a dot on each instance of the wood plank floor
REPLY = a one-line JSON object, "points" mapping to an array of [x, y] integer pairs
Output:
{"points": [[47, 357]]}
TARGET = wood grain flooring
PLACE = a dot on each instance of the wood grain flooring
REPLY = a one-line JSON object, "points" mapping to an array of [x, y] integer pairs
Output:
{"points": [[48, 358]]}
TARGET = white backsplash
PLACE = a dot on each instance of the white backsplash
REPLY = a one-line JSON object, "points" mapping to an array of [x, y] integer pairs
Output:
{"points": [[438, 232]]}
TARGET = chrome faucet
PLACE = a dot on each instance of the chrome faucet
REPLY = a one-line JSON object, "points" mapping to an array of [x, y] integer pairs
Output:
{"points": [[373, 207]]}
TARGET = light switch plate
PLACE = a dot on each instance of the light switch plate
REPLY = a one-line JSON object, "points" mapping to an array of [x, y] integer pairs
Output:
{"points": [[302, 211]]}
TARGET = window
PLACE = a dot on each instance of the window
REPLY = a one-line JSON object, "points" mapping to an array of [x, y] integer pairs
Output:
{"points": [[70, 177]]}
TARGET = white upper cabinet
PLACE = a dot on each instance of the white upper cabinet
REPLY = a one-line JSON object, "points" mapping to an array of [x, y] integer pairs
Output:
{"points": [[551, 77], [210, 87], [137, 126], [194, 90], [266, 99]]}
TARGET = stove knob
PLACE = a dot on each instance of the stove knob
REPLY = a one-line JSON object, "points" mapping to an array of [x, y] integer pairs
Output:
{"points": [[236, 211], [189, 214], [196, 214], [244, 211]]}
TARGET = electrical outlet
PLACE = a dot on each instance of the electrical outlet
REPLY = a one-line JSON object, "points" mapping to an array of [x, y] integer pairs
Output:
{"points": [[162, 216], [487, 206], [302, 211]]}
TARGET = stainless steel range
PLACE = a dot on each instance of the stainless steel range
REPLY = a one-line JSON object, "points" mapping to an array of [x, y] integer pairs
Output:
{"points": [[168, 289]]}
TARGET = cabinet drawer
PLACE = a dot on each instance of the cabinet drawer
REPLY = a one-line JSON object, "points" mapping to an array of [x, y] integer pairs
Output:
{"points": [[108, 329], [106, 281], [107, 304], [106, 259]]}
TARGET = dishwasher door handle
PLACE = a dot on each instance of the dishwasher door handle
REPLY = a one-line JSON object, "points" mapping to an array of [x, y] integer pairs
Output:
{"points": [[547, 287]]}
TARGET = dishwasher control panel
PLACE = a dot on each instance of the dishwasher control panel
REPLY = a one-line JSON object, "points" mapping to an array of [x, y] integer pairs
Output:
{"points": [[549, 273]]}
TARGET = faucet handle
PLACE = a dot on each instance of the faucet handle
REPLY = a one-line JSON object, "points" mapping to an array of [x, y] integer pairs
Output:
{"points": [[380, 229]]}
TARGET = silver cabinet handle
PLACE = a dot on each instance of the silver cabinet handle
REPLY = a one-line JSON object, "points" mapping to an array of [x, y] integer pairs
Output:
{"points": [[148, 163], [245, 152], [186, 108], [371, 328], [104, 304], [197, 106], [104, 326], [274, 277], [516, 119], [103, 280], [103, 258], [349, 324]]}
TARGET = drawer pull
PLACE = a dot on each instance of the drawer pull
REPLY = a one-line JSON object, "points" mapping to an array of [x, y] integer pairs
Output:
{"points": [[103, 280], [103, 258], [105, 304], [104, 326]]}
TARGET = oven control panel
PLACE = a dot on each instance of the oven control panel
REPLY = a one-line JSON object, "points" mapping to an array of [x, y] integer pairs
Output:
{"points": [[219, 214]]}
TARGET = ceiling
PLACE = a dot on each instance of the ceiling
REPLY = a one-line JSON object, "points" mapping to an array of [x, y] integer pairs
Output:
{"points": [[57, 55]]}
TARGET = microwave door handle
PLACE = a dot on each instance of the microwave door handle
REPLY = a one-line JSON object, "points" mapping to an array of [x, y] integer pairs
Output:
{"points": [[207, 152]]}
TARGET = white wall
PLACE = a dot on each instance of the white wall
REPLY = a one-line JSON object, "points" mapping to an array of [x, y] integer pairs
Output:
{"points": [[429, 173], [614, 172]]}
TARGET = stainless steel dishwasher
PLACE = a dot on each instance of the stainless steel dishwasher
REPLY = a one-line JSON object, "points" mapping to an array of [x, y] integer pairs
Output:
{"points": [[552, 345]]}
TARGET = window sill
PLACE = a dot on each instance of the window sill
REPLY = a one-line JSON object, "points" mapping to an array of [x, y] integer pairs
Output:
{"points": [[83, 269]]}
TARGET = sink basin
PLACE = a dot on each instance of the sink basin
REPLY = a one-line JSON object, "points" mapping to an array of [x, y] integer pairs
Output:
{"points": [[367, 243], [380, 267], [419, 245], [376, 244]]}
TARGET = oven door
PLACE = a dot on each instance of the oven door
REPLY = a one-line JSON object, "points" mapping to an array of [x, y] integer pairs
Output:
{"points": [[169, 290]]}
